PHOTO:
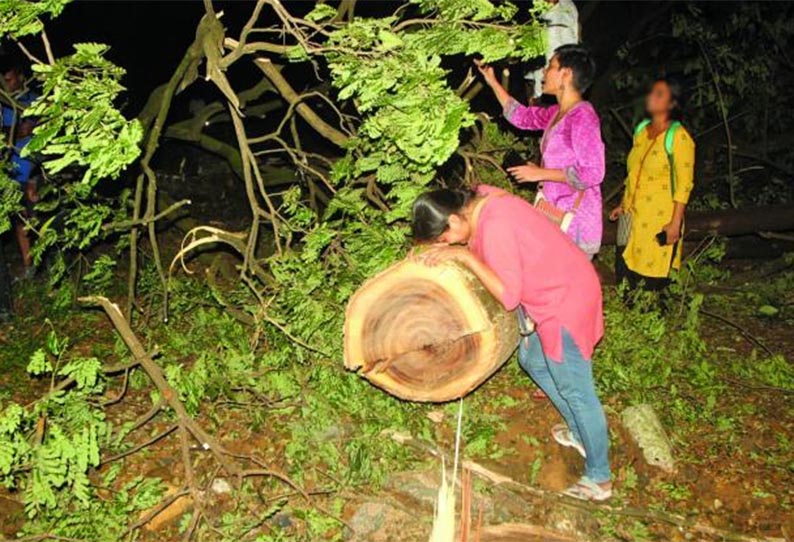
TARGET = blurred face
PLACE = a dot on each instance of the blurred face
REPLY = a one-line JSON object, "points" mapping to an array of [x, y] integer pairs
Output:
{"points": [[659, 99], [458, 231], [12, 80], [555, 77]]}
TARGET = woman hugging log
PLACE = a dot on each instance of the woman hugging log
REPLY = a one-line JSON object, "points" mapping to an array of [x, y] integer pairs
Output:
{"points": [[432, 328]]}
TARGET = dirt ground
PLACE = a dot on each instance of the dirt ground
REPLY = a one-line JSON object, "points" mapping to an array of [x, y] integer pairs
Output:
{"points": [[730, 486]]}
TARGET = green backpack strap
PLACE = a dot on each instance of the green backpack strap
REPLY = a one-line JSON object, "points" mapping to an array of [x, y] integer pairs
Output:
{"points": [[669, 139], [641, 126]]}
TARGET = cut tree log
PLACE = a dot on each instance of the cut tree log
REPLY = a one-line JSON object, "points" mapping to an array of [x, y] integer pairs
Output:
{"points": [[427, 333]]}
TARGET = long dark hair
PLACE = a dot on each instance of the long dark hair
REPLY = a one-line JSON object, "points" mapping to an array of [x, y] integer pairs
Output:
{"points": [[676, 94], [431, 210]]}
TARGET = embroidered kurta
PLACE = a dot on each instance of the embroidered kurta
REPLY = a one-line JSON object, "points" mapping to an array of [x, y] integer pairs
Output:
{"points": [[649, 198], [574, 145], [542, 270]]}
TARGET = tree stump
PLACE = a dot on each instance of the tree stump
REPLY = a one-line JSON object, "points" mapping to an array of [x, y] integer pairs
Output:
{"points": [[427, 333]]}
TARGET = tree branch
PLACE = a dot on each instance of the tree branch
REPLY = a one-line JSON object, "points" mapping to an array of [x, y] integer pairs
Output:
{"points": [[155, 373], [273, 73]]}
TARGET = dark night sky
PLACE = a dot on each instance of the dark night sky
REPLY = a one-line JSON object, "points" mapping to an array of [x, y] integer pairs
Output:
{"points": [[149, 37]]}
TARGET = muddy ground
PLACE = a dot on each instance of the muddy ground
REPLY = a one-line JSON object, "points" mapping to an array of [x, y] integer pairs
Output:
{"points": [[742, 485]]}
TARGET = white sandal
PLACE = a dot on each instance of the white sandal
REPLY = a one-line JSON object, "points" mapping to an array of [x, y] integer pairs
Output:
{"points": [[587, 490], [564, 437]]}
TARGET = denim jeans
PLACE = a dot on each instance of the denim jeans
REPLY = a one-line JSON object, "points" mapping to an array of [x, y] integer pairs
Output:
{"points": [[571, 389]]}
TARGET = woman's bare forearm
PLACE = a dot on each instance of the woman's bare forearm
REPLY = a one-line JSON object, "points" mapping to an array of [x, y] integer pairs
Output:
{"points": [[678, 213], [499, 91], [554, 175]]}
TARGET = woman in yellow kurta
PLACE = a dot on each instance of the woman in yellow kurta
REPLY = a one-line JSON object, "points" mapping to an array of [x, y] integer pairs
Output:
{"points": [[660, 178]]}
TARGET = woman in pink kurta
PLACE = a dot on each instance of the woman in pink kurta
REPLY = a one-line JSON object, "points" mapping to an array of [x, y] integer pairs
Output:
{"points": [[572, 151], [526, 261]]}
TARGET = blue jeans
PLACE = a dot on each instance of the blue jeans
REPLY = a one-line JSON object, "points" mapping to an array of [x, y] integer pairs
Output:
{"points": [[571, 389]]}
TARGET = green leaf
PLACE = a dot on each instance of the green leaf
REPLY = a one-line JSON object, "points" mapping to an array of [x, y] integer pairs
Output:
{"points": [[768, 310], [321, 12], [39, 363]]}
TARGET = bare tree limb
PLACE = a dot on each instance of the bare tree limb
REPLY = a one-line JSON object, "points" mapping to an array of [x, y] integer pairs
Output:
{"points": [[273, 73], [155, 373]]}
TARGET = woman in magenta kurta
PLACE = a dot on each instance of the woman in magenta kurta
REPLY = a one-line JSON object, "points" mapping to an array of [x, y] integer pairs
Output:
{"points": [[524, 259], [572, 151]]}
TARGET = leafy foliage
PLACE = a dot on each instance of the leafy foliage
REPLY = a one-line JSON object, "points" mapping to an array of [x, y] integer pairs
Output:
{"points": [[76, 117], [50, 451], [412, 118], [411, 123], [20, 18], [300, 406], [66, 431], [78, 128], [10, 199]]}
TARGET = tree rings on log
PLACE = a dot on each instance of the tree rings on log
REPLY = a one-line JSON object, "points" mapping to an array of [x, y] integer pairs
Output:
{"points": [[427, 333]]}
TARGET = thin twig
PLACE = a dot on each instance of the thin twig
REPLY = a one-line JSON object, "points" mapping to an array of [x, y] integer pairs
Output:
{"points": [[140, 446], [190, 481], [155, 373], [122, 393], [746, 334], [115, 226], [28, 54], [47, 46], [724, 113], [622, 123], [762, 387]]}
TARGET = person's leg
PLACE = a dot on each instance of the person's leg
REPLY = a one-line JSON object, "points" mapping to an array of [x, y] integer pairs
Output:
{"points": [[533, 361], [29, 199], [655, 284], [573, 379], [5, 284], [24, 243], [621, 270]]}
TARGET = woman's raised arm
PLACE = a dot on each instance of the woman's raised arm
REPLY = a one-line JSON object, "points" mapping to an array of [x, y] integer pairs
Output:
{"points": [[520, 116]]}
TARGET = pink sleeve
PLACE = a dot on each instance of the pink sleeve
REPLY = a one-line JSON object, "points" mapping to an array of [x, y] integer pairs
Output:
{"points": [[502, 254], [588, 148], [487, 189], [528, 117]]}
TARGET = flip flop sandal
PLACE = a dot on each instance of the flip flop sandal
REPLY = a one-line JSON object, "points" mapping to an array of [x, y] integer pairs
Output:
{"points": [[564, 437], [587, 490]]}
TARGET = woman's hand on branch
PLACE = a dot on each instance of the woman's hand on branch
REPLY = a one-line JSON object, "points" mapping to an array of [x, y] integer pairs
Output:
{"points": [[528, 173], [487, 72], [615, 213]]}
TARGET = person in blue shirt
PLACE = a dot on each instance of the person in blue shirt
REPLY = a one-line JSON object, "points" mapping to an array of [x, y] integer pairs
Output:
{"points": [[17, 131]]}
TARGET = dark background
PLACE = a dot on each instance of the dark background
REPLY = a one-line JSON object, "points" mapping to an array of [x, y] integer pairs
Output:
{"points": [[149, 37]]}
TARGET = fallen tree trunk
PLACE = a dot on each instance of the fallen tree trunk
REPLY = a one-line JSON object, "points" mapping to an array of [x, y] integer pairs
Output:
{"points": [[427, 333], [728, 222]]}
